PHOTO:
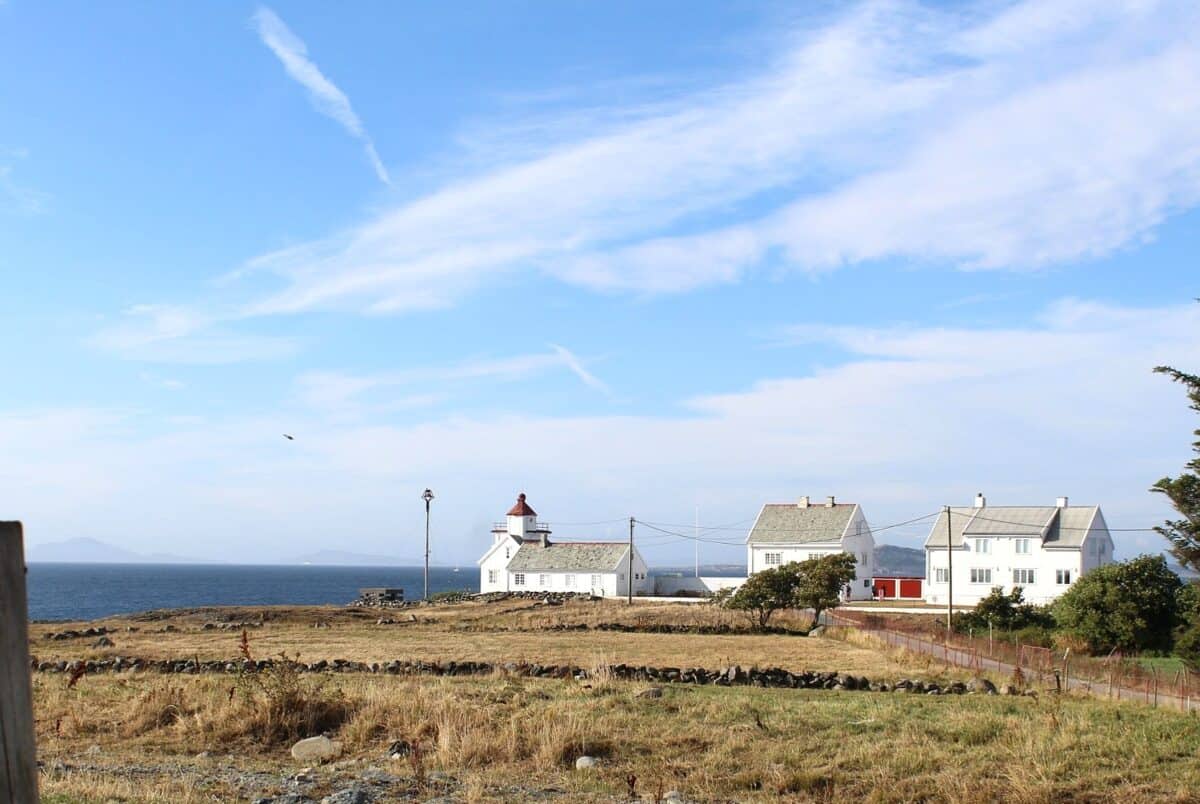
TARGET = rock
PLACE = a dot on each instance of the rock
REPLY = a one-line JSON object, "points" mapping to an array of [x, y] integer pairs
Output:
{"points": [[817, 631], [652, 692], [304, 776], [1009, 689], [1030, 693], [981, 685], [93, 750], [351, 795], [399, 749], [103, 642], [203, 755], [316, 749], [673, 797], [586, 762]]}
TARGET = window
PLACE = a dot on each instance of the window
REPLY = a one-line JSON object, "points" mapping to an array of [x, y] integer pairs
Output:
{"points": [[863, 558], [621, 577], [596, 582], [506, 555], [492, 576], [569, 581], [543, 580], [866, 583], [983, 546], [1062, 577], [773, 559], [1022, 547], [1023, 577], [981, 575], [941, 575], [518, 579]]}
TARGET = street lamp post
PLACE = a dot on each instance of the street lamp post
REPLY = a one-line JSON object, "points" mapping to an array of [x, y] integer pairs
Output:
{"points": [[428, 498]]}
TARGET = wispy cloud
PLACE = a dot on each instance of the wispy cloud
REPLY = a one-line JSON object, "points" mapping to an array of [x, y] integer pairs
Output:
{"points": [[167, 383], [571, 361], [340, 392], [18, 195], [328, 99], [1042, 133], [159, 333]]}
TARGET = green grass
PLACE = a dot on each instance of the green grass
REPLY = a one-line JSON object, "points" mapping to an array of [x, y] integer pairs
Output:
{"points": [[1164, 664]]}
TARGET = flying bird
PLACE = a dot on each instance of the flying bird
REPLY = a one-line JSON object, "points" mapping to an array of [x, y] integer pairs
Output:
{"points": [[288, 437]]}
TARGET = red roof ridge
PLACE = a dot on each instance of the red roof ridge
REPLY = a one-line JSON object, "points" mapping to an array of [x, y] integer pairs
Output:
{"points": [[521, 508]]}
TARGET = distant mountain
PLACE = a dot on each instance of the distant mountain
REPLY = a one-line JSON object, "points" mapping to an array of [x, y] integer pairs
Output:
{"points": [[891, 559], [92, 551]]}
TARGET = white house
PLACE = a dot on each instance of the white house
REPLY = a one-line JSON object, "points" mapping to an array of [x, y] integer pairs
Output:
{"points": [[785, 532], [523, 559], [1042, 549]]}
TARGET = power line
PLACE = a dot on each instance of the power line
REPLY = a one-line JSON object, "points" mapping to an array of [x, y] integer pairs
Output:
{"points": [[709, 528], [974, 517]]}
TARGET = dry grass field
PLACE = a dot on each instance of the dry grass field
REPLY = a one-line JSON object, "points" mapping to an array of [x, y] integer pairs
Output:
{"points": [[505, 631], [137, 737]]}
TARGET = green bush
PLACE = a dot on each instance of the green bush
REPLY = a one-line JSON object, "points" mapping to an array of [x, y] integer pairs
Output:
{"points": [[1003, 612], [1131, 605]]}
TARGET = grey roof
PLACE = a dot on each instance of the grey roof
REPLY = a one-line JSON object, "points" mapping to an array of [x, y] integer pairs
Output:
{"points": [[1011, 521], [788, 523], [568, 556], [1056, 527], [1072, 526]]}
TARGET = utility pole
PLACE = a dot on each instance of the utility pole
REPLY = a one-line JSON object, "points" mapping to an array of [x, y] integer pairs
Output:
{"points": [[629, 570], [428, 498], [949, 571]]}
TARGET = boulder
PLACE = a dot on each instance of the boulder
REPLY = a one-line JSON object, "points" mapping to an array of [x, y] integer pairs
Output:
{"points": [[351, 795], [652, 692], [817, 631], [316, 749], [981, 685], [586, 763]]}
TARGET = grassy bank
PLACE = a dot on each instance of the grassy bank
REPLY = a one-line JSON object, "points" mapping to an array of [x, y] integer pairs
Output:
{"points": [[145, 737], [498, 738]]}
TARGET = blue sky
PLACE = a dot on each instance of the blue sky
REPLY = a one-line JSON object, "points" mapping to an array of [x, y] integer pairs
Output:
{"points": [[631, 260]]}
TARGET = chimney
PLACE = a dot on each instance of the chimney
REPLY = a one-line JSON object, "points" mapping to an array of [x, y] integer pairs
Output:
{"points": [[803, 502], [980, 500], [1061, 502], [829, 501]]}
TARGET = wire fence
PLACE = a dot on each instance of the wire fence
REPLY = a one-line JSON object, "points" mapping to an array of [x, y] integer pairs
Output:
{"points": [[1114, 676]]}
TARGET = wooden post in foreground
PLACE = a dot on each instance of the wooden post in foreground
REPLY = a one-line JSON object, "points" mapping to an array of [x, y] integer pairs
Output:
{"points": [[18, 764]]}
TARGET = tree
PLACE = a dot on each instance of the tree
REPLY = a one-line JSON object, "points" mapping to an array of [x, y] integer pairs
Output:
{"points": [[766, 592], [1187, 638], [1132, 605], [1004, 612], [813, 584], [821, 581], [1184, 491]]}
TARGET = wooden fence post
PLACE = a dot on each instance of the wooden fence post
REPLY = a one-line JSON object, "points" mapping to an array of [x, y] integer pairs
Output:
{"points": [[18, 763]]}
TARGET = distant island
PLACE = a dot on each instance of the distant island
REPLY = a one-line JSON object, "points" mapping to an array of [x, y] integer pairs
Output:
{"points": [[83, 550]]}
